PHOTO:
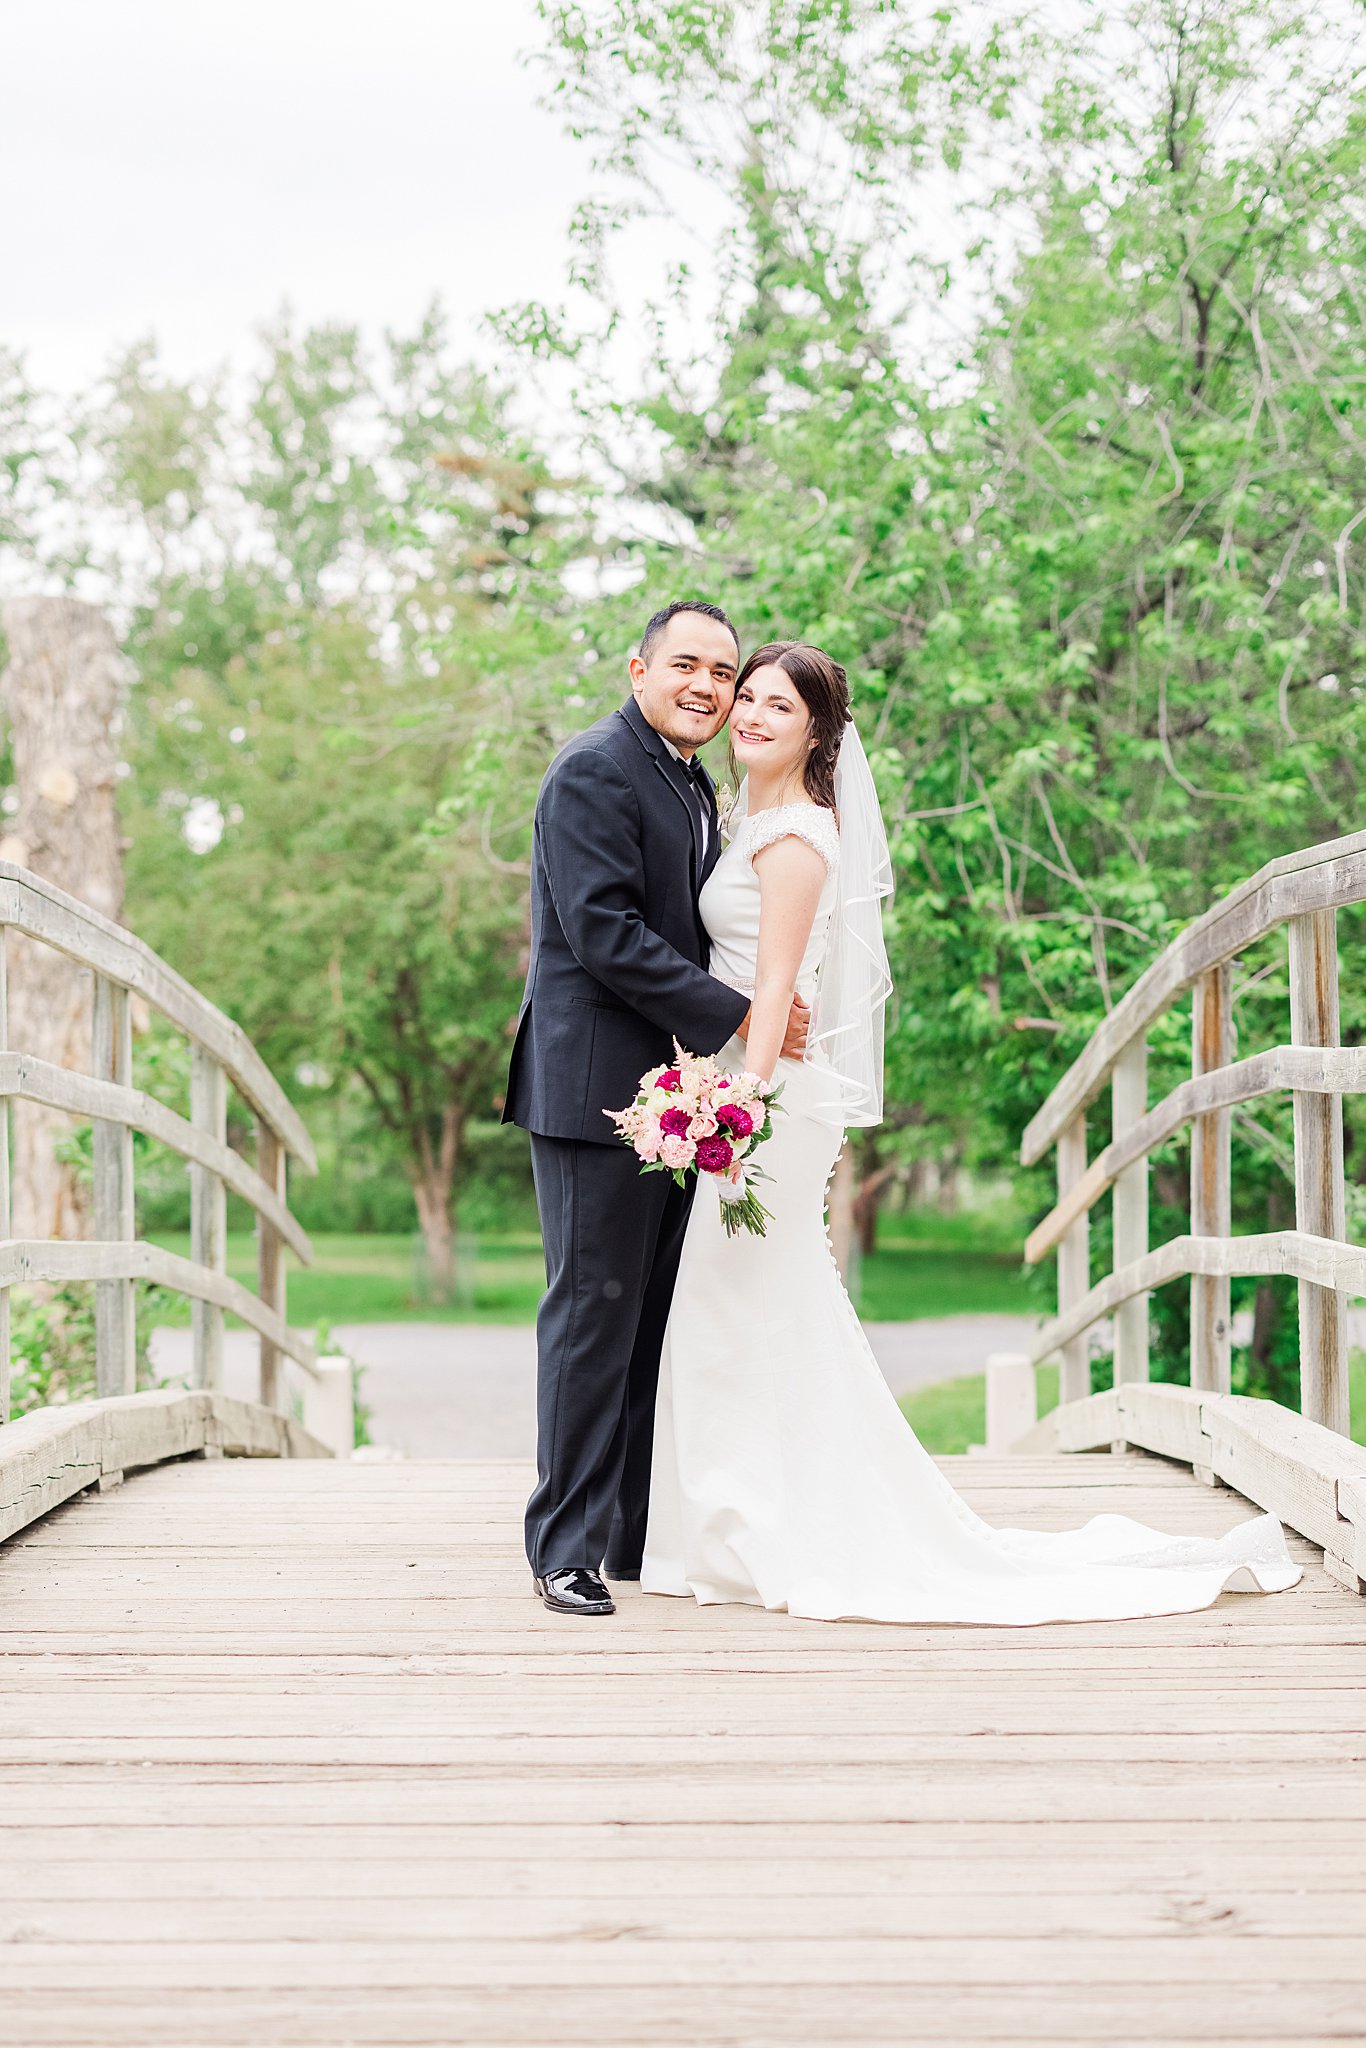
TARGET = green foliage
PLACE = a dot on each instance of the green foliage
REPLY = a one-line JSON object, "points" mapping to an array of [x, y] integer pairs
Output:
{"points": [[350, 568], [1092, 571], [1031, 388], [52, 1343]]}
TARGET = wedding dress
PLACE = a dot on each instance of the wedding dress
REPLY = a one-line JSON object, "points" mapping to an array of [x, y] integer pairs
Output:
{"points": [[785, 1475]]}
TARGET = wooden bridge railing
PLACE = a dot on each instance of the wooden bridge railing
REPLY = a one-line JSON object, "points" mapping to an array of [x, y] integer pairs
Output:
{"points": [[122, 966], [1302, 893]]}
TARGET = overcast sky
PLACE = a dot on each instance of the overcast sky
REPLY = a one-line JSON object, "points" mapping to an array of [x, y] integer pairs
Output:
{"points": [[182, 167]]}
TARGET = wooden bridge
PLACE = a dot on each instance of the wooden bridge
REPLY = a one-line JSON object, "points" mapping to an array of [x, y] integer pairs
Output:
{"points": [[290, 1754]]}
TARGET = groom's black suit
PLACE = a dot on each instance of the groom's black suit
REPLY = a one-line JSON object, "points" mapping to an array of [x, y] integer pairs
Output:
{"points": [[616, 973]]}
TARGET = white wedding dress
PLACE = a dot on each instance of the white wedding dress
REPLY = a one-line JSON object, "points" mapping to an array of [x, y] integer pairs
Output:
{"points": [[785, 1475]]}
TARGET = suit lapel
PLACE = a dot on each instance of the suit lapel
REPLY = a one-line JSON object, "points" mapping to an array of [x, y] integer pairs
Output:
{"points": [[703, 857]]}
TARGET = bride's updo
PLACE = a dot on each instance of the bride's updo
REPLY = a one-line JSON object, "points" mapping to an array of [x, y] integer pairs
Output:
{"points": [[824, 689]]}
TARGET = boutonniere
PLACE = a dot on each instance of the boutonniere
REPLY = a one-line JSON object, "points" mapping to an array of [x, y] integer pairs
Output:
{"points": [[725, 804]]}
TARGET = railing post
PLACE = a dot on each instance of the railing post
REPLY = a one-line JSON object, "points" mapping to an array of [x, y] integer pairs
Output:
{"points": [[6, 1224], [271, 1165], [1012, 1400], [208, 1213], [1074, 1262], [115, 1326], [1129, 1102], [1211, 1182], [1320, 1206]]}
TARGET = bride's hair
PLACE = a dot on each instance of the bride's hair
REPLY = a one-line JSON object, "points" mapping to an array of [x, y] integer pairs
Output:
{"points": [[824, 689]]}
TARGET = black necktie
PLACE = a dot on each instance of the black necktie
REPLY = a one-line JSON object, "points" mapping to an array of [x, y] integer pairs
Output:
{"points": [[692, 768]]}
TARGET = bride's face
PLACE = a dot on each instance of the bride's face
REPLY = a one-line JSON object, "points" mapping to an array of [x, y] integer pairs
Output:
{"points": [[770, 727]]}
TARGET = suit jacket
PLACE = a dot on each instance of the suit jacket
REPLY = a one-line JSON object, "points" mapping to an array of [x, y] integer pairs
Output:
{"points": [[617, 943]]}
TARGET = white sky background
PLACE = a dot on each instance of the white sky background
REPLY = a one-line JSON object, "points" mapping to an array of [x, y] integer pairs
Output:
{"points": [[184, 167]]}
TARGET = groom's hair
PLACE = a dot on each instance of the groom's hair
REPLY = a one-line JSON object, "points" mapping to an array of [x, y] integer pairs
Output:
{"points": [[649, 639]]}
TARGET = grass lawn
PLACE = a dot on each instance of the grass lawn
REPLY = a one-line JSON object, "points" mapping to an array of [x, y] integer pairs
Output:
{"points": [[933, 1266], [378, 1280]]}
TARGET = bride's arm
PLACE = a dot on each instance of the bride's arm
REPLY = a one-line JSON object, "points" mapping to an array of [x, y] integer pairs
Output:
{"points": [[791, 876]]}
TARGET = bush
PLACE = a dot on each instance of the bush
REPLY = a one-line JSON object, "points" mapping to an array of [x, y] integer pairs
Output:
{"points": [[52, 1344]]}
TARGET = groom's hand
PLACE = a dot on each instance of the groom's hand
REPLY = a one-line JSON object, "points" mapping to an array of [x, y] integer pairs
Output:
{"points": [[794, 1038], [798, 1024]]}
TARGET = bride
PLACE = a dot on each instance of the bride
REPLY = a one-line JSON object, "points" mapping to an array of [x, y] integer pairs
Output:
{"points": [[784, 1474]]}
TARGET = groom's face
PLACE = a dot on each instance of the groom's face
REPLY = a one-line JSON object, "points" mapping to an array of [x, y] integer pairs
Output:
{"points": [[686, 688]]}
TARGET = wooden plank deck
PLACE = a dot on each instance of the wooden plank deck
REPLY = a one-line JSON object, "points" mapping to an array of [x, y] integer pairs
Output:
{"points": [[290, 1754]]}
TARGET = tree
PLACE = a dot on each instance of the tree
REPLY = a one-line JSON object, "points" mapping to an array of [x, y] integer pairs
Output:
{"points": [[1095, 569], [62, 696], [324, 678]]}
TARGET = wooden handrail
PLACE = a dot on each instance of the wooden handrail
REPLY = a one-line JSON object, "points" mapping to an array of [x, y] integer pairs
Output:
{"points": [[80, 1095], [38, 910], [1325, 877], [1320, 1261], [1301, 891], [220, 1054], [1339, 1070], [61, 1259]]}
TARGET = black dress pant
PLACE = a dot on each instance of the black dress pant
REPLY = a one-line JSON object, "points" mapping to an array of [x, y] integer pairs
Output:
{"points": [[613, 1237]]}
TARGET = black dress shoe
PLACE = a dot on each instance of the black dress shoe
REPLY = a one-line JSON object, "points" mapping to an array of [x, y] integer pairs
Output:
{"points": [[624, 1574], [575, 1591]]}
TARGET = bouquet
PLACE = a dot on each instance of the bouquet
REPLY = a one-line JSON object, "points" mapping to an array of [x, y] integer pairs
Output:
{"points": [[688, 1117]]}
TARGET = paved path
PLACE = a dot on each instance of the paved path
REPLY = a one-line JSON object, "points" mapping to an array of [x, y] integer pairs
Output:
{"points": [[289, 1754], [461, 1390]]}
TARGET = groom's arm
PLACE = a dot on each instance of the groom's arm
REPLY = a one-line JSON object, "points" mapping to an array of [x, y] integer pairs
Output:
{"points": [[590, 842]]}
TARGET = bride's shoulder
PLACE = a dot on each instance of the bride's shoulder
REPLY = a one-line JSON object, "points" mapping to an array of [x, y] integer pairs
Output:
{"points": [[811, 822]]}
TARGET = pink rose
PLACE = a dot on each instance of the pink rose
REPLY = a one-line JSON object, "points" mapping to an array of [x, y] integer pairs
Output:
{"points": [[646, 1146], [677, 1152], [714, 1155]]}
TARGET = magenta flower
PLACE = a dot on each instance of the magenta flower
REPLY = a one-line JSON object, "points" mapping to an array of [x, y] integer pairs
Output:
{"points": [[714, 1155], [674, 1123], [737, 1121], [670, 1081]]}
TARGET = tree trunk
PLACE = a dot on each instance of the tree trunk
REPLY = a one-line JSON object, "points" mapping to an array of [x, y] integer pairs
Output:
{"points": [[841, 1207], [438, 1235], [874, 1180], [433, 1179], [62, 695], [949, 1168]]}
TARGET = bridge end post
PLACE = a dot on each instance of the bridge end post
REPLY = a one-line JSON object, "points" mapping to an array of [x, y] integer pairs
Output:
{"points": [[329, 1405], [1012, 1400]]}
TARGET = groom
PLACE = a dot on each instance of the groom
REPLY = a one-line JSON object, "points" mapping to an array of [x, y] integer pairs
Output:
{"points": [[626, 833]]}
